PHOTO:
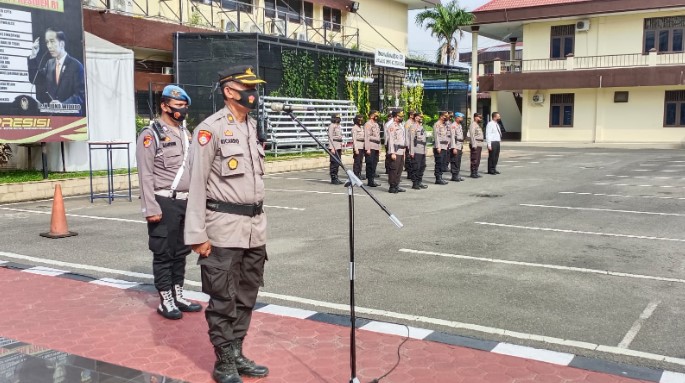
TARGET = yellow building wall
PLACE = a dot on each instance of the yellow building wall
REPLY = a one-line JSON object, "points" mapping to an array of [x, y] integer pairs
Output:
{"points": [[597, 118], [608, 35], [388, 17]]}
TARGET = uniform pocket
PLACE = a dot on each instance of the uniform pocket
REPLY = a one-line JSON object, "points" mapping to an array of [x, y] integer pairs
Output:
{"points": [[172, 160], [232, 160], [217, 283]]}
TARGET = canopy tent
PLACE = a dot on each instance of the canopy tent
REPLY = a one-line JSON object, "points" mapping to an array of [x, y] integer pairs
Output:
{"points": [[110, 109]]}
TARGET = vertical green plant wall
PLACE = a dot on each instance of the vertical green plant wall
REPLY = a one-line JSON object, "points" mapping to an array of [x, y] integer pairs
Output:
{"points": [[358, 92], [305, 77]]}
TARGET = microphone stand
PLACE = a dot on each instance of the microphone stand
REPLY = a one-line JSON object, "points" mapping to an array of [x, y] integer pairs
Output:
{"points": [[353, 181]]}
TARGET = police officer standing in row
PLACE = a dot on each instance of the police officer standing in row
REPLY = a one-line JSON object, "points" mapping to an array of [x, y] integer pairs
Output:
{"points": [[440, 145], [358, 145], [162, 152], [396, 148], [225, 221], [372, 144], [335, 140], [407, 128], [457, 147], [416, 142], [476, 142]]}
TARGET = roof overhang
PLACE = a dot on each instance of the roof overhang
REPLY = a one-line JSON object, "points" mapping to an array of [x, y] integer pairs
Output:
{"points": [[574, 9], [419, 4]]}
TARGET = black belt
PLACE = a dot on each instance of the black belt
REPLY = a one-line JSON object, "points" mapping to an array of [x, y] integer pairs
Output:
{"points": [[251, 210], [360, 140], [460, 140], [400, 146], [420, 142], [479, 140], [376, 141], [444, 142], [337, 140]]}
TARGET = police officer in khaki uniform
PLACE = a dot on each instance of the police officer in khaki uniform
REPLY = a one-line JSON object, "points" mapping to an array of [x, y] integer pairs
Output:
{"points": [[411, 122], [457, 147], [335, 140], [372, 144], [396, 148], [440, 144], [475, 142], [416, 142], [225, 221], [162, 153], [358, 145]]}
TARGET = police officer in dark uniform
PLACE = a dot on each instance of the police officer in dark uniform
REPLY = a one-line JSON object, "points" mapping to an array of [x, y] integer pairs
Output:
{"points": [[225, 220], [162, 153]]}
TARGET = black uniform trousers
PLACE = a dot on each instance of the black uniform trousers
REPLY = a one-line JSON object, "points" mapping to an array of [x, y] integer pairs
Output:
{"points": [[440, 159], [232, 278], [455, 162], [493, 156], [475, 158], [357, 166], [394, 169], [167, 245], [334, 165], [418, 166], [371, 164], [407, 165]]}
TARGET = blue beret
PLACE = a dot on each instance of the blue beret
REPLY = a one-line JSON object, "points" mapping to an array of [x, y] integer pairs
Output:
{"points": [[176, 92], [458, 114]]}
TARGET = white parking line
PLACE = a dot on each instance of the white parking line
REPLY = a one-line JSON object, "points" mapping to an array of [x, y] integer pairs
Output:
{"points": [[581, 232], [310, 191], [622, 195], [632, 333], [599, 209], [546, 266], [395, 316], [284, 207], [76, 215], [646, 177], [642, 170], [639, 185]]}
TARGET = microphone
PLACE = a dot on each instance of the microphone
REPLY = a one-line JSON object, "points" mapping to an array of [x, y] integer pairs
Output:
{"points": [[287, 108]]}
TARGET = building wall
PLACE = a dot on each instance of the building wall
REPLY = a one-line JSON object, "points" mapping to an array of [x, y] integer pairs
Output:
{"points": [[511, 115], [598, 119], [388, 17], [608, 35]]}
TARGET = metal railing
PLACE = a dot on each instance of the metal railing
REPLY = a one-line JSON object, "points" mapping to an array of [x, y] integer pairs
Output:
{"points": [[583, 63], [235, 16], [284, 136]]}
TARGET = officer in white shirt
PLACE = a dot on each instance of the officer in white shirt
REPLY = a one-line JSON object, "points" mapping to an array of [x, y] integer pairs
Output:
{"points": [[493, 136]]}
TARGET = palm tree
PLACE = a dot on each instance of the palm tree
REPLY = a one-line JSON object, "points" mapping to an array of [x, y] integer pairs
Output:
{"points": [[445, 22]]}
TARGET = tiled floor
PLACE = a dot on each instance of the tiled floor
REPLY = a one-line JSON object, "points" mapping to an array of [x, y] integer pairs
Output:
{"points": [[111, 326]]}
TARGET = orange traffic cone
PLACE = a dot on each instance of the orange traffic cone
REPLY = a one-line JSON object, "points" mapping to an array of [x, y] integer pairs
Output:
{"points": [[58, 221]]}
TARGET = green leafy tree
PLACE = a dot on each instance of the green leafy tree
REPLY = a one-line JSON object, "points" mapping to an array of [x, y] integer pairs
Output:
{"points": [[445, 22]]}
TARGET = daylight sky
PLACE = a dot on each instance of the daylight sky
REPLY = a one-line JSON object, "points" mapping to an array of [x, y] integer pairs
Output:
{"points": [[421, 42]]}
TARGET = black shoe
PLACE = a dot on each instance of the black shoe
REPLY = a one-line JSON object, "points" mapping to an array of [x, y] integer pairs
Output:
{"points": [[183, 304], [167, 308], [399, 189], [373, 184], [441, 181], [393, 190], [422, 186], [336, 181], [225, 370], [416, 186], [460, 179], [478, 175], [245, 366], [493, 173], [474, 175], [455, 178], [496, 172]]}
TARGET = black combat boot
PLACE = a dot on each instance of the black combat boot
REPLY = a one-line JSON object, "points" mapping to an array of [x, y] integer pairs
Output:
{"points": [[245, 366], [440, 181], [167, 308], [415, 186], [182, 303], [336, 181], [225, 370]]}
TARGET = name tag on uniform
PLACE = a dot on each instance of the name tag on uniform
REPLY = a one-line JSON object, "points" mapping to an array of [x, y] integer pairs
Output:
{"points": [[230, 141], [167, 144]]}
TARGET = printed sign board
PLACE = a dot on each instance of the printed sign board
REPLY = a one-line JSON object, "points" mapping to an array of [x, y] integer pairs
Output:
{"points": [[389, 59], [42, 78]]}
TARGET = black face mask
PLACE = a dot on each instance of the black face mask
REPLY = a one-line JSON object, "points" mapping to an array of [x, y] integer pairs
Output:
{"points": [[249, 98], [375, 118], [336, 120], [178, 114]]}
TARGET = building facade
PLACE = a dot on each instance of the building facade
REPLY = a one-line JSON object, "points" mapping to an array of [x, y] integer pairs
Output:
{"points": [[600, 71]]}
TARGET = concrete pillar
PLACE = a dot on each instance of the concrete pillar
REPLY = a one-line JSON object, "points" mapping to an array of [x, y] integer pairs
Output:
{"points": [[512, 48], [494, 102], [474, 69]]}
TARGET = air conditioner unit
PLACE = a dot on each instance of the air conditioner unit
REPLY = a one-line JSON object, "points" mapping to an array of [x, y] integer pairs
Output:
{"points": [[538, 98], [278, 27], [583, 25], [167, 70], [230, 27], [121, 5]]}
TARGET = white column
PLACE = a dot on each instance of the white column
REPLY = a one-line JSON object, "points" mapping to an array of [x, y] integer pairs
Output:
{"points": [[512, 48], [474, 70]]}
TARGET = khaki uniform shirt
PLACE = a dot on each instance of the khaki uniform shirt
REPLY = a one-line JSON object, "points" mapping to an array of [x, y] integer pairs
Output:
{"points": [[397, 140], [372, 135], [475, 134], [387, 129], [335, 137], [458, 136], [416, 140], [358, 137], [227, 165], [440, 134], [157, 166]]}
